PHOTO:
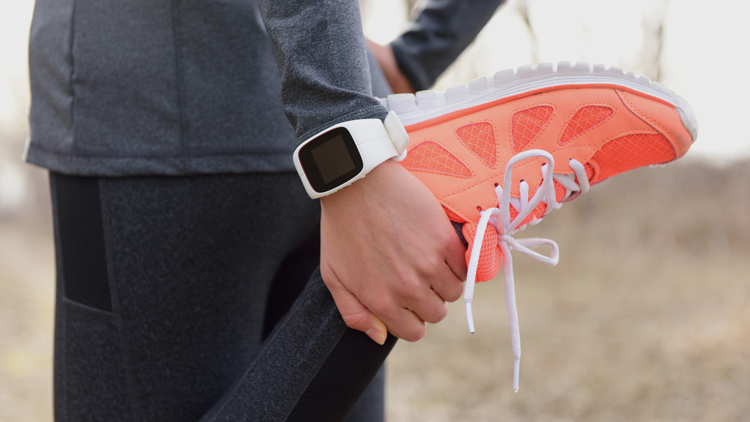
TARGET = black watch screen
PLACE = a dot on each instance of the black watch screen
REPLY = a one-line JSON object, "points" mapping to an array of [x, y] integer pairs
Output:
{"points": [[331, 160]]}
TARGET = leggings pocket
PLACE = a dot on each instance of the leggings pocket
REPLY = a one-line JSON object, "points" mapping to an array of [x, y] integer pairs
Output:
{"points": [[80, 239]]}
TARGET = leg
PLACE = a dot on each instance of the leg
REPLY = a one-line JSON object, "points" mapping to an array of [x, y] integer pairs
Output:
{"points": [[188, 264], [289, 282]]}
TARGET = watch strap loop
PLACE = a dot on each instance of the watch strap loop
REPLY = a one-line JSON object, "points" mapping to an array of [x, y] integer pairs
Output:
{"points": [[396, 131]]}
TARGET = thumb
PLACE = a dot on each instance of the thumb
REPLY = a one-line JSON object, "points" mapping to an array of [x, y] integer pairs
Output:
{"points": [[356, 316]]}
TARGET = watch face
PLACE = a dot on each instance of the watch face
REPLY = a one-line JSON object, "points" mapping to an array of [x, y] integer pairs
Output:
{"points": [[330, 160]]}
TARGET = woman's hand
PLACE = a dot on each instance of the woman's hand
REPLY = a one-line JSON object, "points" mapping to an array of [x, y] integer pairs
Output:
{"points": [[389, 254], [387, 61]]}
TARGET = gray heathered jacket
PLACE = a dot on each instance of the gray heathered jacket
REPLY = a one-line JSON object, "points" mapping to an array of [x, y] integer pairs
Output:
{"points": [[127, 87]]}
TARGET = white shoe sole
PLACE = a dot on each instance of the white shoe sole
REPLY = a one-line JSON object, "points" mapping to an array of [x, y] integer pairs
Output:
{"points": [[427, 105]]}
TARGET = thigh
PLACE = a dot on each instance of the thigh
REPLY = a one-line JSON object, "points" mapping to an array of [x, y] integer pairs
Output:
{"points": [[163, 310]]}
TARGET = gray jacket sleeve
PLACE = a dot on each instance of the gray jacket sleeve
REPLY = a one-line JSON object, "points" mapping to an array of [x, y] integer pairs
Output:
{"points": [[320, 51], [438, 36]]}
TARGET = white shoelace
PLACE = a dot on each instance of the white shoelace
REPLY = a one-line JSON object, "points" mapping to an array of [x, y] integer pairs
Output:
{"points": [[499, 218]]}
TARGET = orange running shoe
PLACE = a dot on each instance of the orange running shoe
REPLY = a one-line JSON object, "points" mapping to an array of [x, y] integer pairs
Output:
{"points": [[505, 151]]}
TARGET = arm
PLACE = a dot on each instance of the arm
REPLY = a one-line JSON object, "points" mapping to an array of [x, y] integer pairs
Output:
{"points": [[399, 83], [438, 36], [388, 252], [320, 52]]}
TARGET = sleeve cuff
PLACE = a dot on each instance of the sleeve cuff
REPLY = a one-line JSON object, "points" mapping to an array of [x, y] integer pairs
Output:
{"points": [[373, 112], [409, 66]]}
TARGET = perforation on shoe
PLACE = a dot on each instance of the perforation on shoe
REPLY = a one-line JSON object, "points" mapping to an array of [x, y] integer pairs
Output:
{"points": [[527, 124], [480, 139], [520, 129], [586, 118], [431, 157], [632, 151]]}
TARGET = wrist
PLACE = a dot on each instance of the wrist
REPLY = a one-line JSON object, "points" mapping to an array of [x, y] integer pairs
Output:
{"points": [[344, 153], [373, 182]]}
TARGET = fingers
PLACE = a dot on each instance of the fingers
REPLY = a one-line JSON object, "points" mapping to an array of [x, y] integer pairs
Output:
{"points": [[450, 287], [431, 308], [421, 304], [354, 314], [407, 323], [456, 256], [402, 322], [400, 267], [359, 318], [404, 314], [387, 60]]}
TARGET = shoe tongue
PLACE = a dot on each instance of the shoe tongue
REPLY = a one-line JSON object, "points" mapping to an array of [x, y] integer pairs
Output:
{"points": [[453, 216], [537, 213], [490, 256], [589, 171], [559, 191], [559, 196]]}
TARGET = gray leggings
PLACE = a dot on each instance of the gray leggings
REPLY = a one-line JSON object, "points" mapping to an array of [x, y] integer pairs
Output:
{"points": [[176, 302]]}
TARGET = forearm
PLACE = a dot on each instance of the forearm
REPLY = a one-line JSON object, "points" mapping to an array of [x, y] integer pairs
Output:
{"points": [[395, 269], [320, 52], [438, 36]]}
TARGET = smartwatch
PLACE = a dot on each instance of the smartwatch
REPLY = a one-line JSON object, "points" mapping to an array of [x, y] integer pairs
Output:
{"points": [[344, 153]]}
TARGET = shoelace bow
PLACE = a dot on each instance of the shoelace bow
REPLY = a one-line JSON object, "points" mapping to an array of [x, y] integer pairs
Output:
{"points": [[499, 218]]}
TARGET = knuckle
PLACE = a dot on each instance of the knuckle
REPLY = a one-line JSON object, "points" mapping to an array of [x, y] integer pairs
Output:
{"points": [[447, 239], [437, 313], [453, 296], [441, 313], [430, 264], [379, 307], [454, 292], [409, 329], [356, 320], [416, 333], [411, 290]]}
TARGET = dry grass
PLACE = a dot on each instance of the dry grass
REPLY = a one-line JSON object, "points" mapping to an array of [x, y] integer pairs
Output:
{"points": [[26, 318], [646, 318]]}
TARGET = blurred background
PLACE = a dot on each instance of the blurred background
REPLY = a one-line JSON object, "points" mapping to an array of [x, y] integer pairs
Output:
{"points": [[647, 316]]}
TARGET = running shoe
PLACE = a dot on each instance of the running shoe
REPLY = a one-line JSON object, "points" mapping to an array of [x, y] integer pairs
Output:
{"points": [[504, 151]]}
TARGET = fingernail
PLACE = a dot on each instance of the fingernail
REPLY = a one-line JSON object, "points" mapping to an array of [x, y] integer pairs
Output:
{"points": [[378, 333], [376, 336]]}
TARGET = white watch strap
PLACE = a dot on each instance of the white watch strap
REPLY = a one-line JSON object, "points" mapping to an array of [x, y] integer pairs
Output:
{"points": [[376, 141], [397, 133]]}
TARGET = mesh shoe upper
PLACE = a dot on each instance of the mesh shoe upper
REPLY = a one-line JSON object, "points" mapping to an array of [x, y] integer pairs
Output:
{"points": [[461, 156], [501, 157]]}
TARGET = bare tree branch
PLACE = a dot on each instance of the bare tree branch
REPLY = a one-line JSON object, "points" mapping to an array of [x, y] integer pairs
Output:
{"points": [[653, 40], [523, 9]]}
